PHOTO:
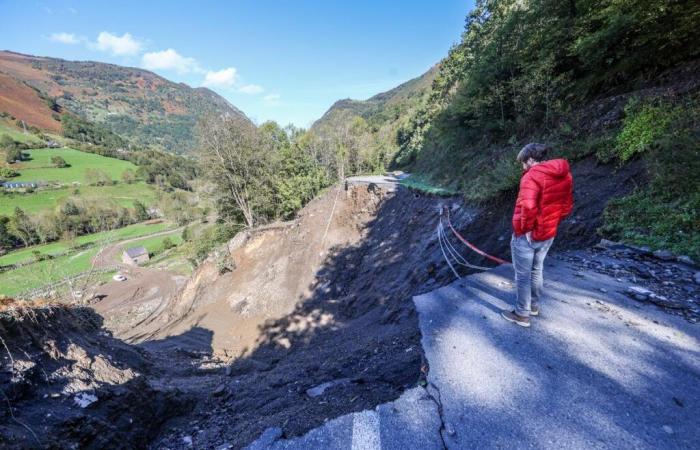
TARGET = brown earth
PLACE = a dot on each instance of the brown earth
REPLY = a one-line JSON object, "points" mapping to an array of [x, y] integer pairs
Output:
{"points": [[53, 357], [234, 352], [24, 103]]}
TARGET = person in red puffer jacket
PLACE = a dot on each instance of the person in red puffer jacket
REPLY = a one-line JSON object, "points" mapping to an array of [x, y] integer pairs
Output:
{"points": [[545, 199]]}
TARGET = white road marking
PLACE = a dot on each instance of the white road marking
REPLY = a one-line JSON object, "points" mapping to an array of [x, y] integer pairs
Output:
{"points": [[365, 431]]}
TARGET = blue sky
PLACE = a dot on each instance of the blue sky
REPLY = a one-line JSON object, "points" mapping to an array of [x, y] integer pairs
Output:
{"points": [[285, 60]]}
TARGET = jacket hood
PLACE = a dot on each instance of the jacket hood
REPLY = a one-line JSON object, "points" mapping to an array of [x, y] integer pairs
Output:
{"points": [[557, 168]]}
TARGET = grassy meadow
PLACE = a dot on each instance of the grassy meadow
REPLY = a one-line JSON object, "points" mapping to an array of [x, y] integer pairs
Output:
{"points": [[37, 201], [75, 257], [27, 254], [39, 167], [39, 274]]}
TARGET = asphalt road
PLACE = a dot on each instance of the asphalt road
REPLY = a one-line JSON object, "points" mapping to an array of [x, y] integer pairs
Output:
{"points": [[595, 370]]}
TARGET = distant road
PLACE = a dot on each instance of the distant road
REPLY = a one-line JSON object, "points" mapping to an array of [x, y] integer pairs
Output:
{"points": [[384, 180]]}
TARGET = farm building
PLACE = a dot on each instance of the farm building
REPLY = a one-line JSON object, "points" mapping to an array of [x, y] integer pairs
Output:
{"points": [[19, 184], [135, 256]]}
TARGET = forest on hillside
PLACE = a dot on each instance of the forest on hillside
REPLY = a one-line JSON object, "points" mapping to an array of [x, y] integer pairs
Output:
{"points": [[613, 80]]}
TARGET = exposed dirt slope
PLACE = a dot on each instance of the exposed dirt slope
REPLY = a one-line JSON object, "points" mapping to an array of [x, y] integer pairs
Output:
{"points": [[301, 309], [24, 103], [54, 359]]}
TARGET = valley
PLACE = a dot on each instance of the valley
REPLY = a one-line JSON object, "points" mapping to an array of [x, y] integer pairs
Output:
{"points": [[178, 274]]}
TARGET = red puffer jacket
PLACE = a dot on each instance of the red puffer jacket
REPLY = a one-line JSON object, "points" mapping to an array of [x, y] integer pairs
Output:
{"points": [[545, 198]]}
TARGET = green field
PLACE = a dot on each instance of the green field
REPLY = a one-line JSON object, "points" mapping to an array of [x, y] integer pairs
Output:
{"points": [[123, 194], [39, 274], [39, 167], [55, 248], [17, 134]]}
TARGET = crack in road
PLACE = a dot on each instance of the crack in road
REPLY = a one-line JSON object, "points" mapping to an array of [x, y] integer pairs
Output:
{"points": [[438, 403]]}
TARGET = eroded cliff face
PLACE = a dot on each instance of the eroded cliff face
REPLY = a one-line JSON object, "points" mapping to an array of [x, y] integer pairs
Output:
{"points": [[268, 271]]}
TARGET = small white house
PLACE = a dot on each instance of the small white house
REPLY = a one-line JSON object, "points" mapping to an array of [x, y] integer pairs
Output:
{"points": [[135, 256]]}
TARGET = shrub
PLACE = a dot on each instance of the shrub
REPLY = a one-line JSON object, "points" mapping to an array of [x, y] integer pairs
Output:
{"points": [[643, 126], [168, 243], [58, 161], [8, 173]]}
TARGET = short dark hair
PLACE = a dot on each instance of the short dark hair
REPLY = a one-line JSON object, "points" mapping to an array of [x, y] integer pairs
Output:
{"points": [[538, 152]]}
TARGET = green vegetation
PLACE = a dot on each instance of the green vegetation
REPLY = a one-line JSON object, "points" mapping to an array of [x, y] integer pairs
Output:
{"points": [[163, 119], [419, 183], [18, 135], [158, 244], [666, 213], [363, 135], [85, 131], [642, 127], [39, 166], [55, 248], [260, 174], [44, 272], [537, 71], [122, 194]]}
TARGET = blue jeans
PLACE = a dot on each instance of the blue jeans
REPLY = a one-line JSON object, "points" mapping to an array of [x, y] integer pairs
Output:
{"points": [[528, 262]]}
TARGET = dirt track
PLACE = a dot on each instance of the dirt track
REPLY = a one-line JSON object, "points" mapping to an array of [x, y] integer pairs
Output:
{"points": [[111, 254]]}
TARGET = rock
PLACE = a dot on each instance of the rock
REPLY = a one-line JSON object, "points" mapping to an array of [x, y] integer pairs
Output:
{"points": [[84, 399], [697, 277], [605, 244], [685, 259], [667, 429], [219, 390], [449, 429], [603, 290], [187, 440], [266, 439], [639, 293], [228, 371], [665, 302], [664, 255], [321, 388]]}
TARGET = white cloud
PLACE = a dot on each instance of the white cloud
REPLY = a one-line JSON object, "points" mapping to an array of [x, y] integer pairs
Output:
{"points": [[272, 99], [118, 45], [221, 78], [64, 38], [169, 60], [251, 89], [73, 11]]}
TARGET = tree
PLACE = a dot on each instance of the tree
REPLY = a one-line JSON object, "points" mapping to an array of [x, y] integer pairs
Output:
{"points": [[186, 234], [140, 211], [7, 239], [128, 176], [240, 162], [21, 227], [6, 172], [13, 155], [58, 161], [168, 243]]}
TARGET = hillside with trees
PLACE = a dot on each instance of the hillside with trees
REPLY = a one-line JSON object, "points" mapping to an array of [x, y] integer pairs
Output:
{"points": [[140, 107], [613, 84]]}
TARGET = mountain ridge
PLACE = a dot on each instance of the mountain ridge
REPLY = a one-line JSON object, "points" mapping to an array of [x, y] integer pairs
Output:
{"points": [[141, 106]]}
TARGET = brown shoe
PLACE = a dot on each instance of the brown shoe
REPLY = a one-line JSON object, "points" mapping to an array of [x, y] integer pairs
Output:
{"points": [[534, 310], [510, 316]]}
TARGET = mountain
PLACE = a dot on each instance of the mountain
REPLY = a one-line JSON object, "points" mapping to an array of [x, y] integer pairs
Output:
{"points": [[383, 113], [140, 106]]}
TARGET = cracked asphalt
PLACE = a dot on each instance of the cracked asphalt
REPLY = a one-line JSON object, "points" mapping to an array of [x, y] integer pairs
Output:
{"points": [[595, 370]]}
